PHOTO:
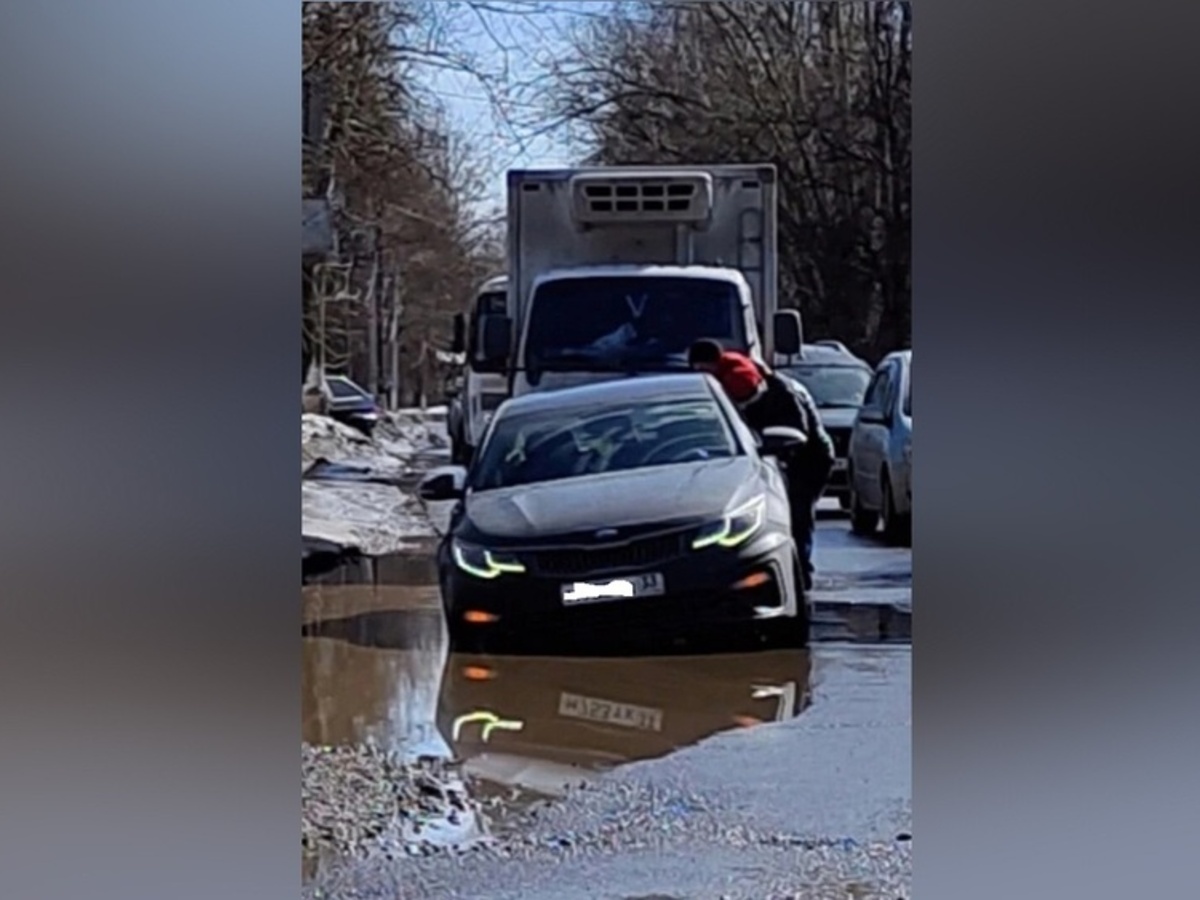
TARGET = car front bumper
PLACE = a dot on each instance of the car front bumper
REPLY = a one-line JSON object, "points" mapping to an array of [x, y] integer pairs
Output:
{"points": [[710, 587]]}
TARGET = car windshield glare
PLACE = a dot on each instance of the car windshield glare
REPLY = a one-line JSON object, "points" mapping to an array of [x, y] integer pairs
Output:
{"points": [[551, 445]]}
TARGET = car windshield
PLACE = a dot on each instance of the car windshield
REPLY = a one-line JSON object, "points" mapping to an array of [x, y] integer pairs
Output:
{"points": [[833, 387], [618, 322], [553, 444]]}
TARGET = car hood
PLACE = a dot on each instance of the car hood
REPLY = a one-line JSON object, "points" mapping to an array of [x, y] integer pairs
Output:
{"points": [[675, 493], [838, 417]]}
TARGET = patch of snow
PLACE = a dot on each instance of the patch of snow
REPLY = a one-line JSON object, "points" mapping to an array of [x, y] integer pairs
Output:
{"points": [[376, 518]]}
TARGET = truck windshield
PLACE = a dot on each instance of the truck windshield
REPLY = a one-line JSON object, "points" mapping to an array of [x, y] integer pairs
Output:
{"points": [[618, 322]]}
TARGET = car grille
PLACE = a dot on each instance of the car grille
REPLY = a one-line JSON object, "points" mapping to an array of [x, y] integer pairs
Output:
{"points": [[841, 440], [642, 553]]}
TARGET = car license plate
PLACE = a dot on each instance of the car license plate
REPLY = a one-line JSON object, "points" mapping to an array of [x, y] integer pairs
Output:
{"points": [[839, 465], [649, 584], [593, 709]]}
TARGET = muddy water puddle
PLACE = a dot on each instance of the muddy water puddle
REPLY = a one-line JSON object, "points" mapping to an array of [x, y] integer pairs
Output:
{"points": [[378, 673]]}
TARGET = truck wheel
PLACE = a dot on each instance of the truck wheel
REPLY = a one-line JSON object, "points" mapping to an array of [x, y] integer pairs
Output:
{"points": [[897, 529], [863, 521]]}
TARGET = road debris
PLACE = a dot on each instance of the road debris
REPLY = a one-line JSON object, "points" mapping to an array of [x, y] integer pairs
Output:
{"points": [[362, 801]]}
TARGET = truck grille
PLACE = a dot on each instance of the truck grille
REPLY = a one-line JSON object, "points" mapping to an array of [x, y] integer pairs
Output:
{"points": [[586, 560], [614, 199]]}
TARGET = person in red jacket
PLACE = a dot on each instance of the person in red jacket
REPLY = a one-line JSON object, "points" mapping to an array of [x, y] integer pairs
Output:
{"points": [[765, 400]]}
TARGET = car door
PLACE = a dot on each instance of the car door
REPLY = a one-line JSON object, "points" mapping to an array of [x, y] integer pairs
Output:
{"points": [[870, 439]]}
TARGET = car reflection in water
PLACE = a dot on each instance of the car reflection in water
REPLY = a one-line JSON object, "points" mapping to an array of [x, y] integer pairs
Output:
{"points": [[540, 724]]}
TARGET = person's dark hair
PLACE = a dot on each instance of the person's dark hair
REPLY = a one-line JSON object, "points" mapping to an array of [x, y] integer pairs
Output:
{"points": [[705, 352]]}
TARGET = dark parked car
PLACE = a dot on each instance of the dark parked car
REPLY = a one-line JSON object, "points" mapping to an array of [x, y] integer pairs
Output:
{"points": [[837, 381], [352, 405], [639, 504]]}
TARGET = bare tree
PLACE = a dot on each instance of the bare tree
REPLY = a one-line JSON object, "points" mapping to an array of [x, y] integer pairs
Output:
{"points": [[403, 184], [822, 90]]}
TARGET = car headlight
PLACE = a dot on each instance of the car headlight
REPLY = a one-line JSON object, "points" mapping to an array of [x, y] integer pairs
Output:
{"points": [[484, 563], [735, 528]]}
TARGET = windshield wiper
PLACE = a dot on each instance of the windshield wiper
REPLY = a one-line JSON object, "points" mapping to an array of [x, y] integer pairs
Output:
{"points": [[656, 361], [578, 361], [584, 361]]}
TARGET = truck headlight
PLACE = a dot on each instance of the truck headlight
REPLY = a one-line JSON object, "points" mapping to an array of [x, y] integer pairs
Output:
{"points": [[734, 528], [484, 563]]}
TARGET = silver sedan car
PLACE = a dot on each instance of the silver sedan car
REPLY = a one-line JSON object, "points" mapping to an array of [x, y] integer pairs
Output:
{"points": [[880, 453]]}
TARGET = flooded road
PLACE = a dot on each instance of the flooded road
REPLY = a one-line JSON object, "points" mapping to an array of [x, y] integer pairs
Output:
{"points": [[513, 733]]}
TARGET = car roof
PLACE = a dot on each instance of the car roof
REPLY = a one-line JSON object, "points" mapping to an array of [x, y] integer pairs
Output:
{"points": [[902, 355], [825, 355], [644, 388]]}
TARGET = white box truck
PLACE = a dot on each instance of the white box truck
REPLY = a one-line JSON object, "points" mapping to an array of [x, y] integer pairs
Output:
{"points": [[616, 271]]}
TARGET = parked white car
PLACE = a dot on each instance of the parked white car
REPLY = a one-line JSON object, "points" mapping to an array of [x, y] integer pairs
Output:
{"points": [[880, 453]]}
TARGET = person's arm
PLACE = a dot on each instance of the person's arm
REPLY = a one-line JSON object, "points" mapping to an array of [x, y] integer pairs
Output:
{"points": [[817, 457], [823, 448]]}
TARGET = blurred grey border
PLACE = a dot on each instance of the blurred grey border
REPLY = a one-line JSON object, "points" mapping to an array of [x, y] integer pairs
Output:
{"points": [[150, 514], [150, 245], [1055, 310]]}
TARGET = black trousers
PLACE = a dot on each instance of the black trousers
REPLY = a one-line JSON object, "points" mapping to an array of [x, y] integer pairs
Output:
{"points": [[804, 524], [803, 503]]}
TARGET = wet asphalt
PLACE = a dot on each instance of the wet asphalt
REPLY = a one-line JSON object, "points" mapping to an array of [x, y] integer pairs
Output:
{"points": [[715, 771]]}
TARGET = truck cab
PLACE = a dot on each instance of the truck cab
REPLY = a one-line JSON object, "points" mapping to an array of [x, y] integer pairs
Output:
{"points": [[616, 271], [484, 384]]}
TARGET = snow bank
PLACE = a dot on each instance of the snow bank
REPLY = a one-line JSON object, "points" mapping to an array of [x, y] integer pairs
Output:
{"points": [[376, 518]]}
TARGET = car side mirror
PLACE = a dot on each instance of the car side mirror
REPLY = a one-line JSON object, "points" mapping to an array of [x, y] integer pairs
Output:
{"points": [[497, 338], [447, 483], [459, 343], [778, 440], [789, 332]]}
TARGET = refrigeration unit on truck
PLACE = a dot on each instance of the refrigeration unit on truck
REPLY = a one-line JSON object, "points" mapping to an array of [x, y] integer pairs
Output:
{"points": [[484, 382], [617, 271]]}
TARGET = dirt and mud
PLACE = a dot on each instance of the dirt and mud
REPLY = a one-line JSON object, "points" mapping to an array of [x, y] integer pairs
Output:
{"points": [[693, 772]]}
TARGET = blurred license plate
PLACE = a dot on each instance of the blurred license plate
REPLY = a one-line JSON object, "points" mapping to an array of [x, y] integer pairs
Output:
{"points": [[592, 709], [649, 584]]}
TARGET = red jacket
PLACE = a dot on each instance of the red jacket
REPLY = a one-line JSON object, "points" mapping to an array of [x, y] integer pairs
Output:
{"points": [[739, 375]]}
